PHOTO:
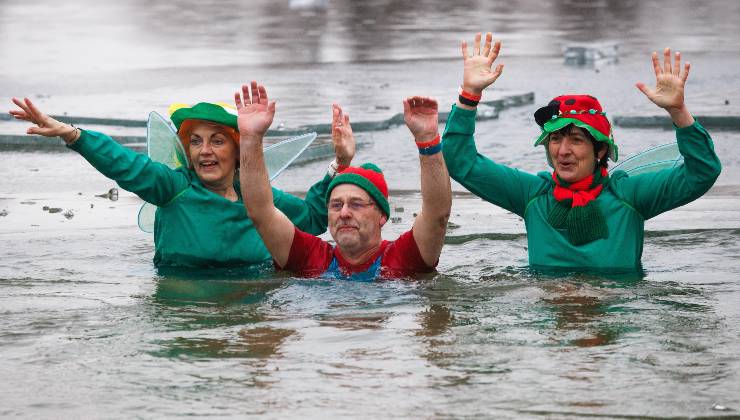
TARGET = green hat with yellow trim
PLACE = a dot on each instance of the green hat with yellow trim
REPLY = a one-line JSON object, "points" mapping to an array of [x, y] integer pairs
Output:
{"points": [[184, 116], [583, 111]]}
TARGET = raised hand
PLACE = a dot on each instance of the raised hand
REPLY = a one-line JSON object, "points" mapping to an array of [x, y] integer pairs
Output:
{"points": [[342, 136], [670, 81], [421, 117], [477, 73], [45, 125], [255, 110]]}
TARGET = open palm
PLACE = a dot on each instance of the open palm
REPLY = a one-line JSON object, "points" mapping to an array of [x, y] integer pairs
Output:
{"points": [[422, 117], [670, 80], [478, 73], [255, 111]]}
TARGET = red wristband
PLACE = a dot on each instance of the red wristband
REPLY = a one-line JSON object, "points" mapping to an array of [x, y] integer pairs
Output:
{"points": [[468, 95], [433, 142]]}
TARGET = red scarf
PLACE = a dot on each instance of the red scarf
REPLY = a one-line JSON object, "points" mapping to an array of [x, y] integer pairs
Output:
{"points": [[581, 192]]}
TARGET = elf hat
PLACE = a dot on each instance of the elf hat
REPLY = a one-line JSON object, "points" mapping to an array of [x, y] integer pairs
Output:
{"points": [[185, 116], [583, 111], [368, 177]]}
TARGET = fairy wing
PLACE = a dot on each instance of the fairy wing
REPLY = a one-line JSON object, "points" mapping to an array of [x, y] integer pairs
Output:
{"points": [[163, 145], [280, 155], [661, 157]]}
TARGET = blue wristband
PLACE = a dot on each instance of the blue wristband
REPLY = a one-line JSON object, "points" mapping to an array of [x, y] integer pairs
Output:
{"points": [[431, 150]]}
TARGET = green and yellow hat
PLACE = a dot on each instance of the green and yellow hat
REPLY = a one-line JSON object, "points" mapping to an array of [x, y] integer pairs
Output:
{"points": [[184, 117]]}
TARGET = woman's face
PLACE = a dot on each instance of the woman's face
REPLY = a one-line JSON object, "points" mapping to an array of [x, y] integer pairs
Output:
{"points": [[213, 154], [572, 154]]}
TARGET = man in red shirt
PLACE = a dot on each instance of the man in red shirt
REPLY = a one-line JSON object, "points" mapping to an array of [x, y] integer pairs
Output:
{"points": [[357, 201]]}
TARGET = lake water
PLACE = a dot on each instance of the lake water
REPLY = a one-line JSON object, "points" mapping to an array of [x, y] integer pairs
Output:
{"points": [[89, 328]]}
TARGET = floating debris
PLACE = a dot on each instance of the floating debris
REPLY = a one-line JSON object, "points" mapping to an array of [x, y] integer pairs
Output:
{"points": [[396, 220], [398, 209], [92, 205], [28, 202], [591, 53], [112, 194], [382, 107], [55, 210], [45, 208], [727, 101], [68, 214], [452, 226], [3, 213], [720, 407]]}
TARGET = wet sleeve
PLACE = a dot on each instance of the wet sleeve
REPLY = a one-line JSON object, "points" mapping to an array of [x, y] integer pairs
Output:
{"points": [[309, 255], [309, 215], [505, 187], [154, 182], [654, 193]]}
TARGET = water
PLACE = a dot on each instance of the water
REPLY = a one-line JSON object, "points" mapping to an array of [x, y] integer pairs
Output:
{"points": [[89, 329]]}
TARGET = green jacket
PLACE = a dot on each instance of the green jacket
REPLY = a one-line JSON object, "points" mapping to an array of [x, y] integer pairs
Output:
{"points": [[627, 201], [193, 226]]}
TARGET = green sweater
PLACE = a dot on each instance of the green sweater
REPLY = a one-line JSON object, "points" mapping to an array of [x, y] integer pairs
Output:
{"points": [[194, 226], [627, 201]]}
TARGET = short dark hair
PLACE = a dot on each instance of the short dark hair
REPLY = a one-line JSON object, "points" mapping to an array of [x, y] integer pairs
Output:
{"points": [[598, 145]]}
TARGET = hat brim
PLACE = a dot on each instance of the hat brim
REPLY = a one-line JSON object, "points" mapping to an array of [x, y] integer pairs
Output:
{"points": [[560, 123]]}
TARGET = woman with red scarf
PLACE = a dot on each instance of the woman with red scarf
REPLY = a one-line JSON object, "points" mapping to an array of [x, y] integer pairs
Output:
{"points": [[580, 216]]}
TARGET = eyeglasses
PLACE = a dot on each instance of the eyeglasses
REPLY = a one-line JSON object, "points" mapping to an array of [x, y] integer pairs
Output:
{"points": [[354, 205]]}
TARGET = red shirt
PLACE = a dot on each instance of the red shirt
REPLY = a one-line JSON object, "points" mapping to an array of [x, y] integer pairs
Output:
{"points": [[311, 256]]}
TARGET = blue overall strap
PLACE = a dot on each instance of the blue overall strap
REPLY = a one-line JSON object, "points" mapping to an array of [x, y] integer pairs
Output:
{"points": [[372, 273]]}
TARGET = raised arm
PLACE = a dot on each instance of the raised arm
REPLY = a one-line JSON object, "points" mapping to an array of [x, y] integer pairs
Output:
{"points": [[654, 193], [670, 82], [421, 116], [152, 181], [505, 187], [255, 117]]}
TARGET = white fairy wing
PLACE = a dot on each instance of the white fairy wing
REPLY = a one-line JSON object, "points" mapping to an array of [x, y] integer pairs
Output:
{"points": [[163, 145], [280, 155], [661, 157]]}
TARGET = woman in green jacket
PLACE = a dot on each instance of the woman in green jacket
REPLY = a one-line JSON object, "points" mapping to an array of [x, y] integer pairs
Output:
{"points": [[580, 216], [200, 220]]}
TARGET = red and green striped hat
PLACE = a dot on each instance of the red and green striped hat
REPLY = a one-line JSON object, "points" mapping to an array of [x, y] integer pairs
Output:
{"points": [[368, 177], [583, 111]]}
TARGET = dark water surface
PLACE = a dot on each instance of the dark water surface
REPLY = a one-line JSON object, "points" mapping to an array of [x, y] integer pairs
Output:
{"points": [[89, 329]]}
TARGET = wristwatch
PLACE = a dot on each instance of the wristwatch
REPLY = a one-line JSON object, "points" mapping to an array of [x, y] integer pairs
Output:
{"points": [[334, 168]]}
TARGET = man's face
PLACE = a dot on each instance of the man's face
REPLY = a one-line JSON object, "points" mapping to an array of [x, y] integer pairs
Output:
{"points": [[213, 153], [572, 154], [354, 218]]}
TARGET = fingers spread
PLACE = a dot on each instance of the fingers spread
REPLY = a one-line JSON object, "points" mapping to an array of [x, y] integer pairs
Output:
{"points": [[656, 64], [255, 92], [245, 95], [476, 44], [686, 69], [667, 60], [644, 89], [238, 100], [677, 64], [464, 48], [263, 94], [494, 52], [487, 46]]}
